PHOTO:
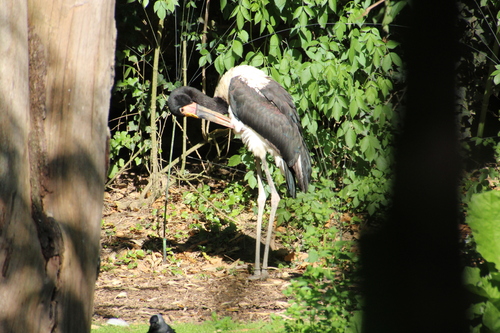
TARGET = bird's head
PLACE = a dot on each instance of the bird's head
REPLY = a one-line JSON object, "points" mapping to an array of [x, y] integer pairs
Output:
{"points": [[190, 102], [158, 325], [154, 321]]}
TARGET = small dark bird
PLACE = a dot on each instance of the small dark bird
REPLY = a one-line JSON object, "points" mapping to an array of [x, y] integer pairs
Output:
{"points": [[260, 110], [158, 325]]}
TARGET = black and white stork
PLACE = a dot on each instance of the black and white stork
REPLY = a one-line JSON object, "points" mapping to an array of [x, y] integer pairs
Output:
{"points": [[262, 112]]}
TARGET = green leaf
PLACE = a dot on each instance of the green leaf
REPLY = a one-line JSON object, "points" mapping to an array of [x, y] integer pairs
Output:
{"points": [[496, 75], [246, 14], [496, 79], [391, 44], [312, 256], [368, 148], [323, 19], [243, 36], [376, 60], [235, 12], [480, 285], [333, 5], [484, 220], [297, 12], [250, 178], [371, 95], [382, 163], [304, 103], [283, 215], [284, 66], [396, 59], [313, 90], [361, 59], [257, 60], [337, 111], [160, 9], [358, 127], [274, 46], [340, 29], [303, 19], [171, 5], [305, 74], [280, 4], [312, 127], [491, 317], [238, 48], [386, 63], [383, 86], [257, 18], [240, 20], [353, 108], [202, 61], [364, 144], [350, 138], [234, 160], [374, 142], [219, 64], [309, 10], [229, 60]]}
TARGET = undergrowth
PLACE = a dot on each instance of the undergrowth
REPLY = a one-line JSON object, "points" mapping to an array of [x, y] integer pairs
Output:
{"points": [[324, 296]]}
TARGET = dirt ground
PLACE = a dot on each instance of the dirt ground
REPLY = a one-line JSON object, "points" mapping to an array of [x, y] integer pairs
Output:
{"points": [[204, 273]]}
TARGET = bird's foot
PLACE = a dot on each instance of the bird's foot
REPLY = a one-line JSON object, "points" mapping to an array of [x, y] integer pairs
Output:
{"points": [[259, 275]]}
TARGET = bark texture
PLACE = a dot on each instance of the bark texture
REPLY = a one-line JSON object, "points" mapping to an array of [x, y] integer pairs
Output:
{"points": [[56, 76]]}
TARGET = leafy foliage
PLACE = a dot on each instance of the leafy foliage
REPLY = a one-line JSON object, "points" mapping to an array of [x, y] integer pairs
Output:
{"points": [[478, 91], [341, 74], [324, 297], [484, 281], [131, 129], [217, 208], [478, 87], [338, 69], [323, 300]]}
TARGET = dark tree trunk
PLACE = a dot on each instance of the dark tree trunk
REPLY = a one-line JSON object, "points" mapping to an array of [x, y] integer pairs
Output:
{"points": [[411, 266]]}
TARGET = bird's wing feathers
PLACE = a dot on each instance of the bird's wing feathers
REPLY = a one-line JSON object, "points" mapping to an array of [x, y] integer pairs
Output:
{"points": [[278, 96], [271, 120], [270, 111]]}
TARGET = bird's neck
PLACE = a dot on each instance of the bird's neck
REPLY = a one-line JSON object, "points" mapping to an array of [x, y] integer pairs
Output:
{"points": [[215, 104]]}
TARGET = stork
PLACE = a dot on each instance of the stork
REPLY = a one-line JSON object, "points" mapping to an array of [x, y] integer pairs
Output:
{"points": [[262, 112]]}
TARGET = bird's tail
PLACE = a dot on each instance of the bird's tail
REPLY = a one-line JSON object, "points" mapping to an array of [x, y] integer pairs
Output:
{"points": [[300, 170], [290, 181]]}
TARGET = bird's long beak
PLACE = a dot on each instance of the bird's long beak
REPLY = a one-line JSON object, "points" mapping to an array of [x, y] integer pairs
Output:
{"points": [[198, 111]]}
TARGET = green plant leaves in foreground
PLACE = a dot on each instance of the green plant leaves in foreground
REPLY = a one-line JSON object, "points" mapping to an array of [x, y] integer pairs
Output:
{"points": [[484, 220], [484, 281]]}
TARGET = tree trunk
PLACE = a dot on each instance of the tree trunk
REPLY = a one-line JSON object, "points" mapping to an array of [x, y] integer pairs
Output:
{"points": [[56, 75]]}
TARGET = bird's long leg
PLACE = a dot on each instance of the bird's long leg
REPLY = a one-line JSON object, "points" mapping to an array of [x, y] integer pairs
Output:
{"points": [[275, 199], [261, 202]]}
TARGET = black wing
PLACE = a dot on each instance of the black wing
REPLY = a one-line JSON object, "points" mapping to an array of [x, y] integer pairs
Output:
{"points": [[271, 113]]}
